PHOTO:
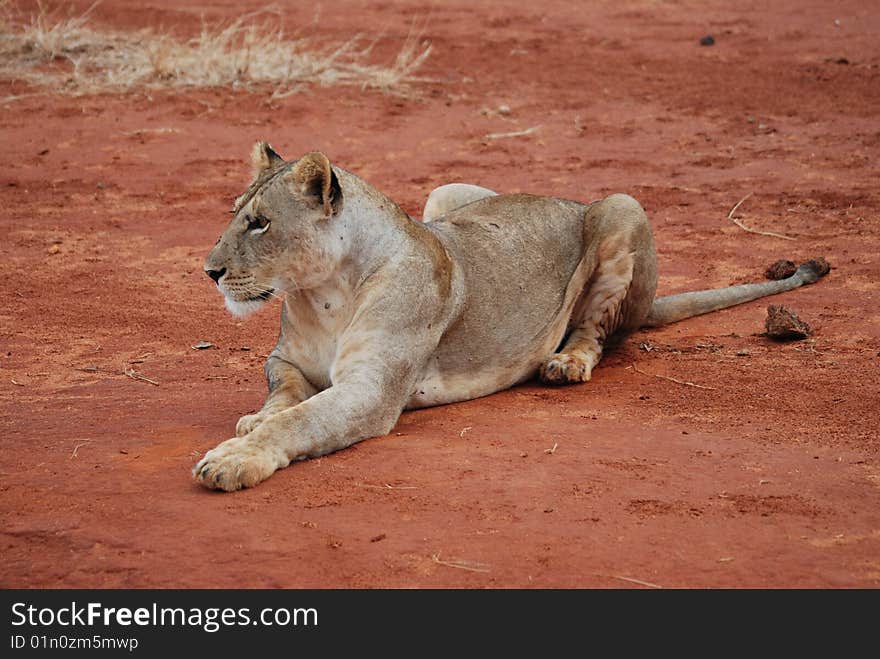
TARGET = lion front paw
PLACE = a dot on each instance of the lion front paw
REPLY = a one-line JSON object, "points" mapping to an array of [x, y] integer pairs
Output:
{"points": [[247, 423], [238, 463], [565, 368]]}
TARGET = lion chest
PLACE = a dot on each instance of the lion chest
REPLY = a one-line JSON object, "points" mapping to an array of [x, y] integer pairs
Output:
{"points": [[311, 325]]}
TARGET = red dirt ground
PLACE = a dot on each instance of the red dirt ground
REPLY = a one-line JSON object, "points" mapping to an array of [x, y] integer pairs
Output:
{"points": [[766, 475]]}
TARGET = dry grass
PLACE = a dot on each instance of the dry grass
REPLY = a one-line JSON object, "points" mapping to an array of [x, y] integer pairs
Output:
{"points": [[71, 56]]}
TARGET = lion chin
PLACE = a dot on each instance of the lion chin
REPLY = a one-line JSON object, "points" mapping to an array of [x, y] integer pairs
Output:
{"points": [[244, 308]]}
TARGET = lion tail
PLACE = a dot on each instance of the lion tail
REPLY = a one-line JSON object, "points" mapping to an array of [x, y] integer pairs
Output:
{"points": [[673, 308]]}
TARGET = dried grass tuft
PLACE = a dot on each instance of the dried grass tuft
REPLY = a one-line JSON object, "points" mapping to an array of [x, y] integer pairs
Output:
{"points": [[69, 55]]}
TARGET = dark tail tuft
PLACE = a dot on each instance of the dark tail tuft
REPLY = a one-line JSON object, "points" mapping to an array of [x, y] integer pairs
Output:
{"points": [[814, 269]]}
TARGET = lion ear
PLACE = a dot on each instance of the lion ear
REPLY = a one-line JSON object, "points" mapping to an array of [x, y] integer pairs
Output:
{"points": [[264, 159], [313, 178]]}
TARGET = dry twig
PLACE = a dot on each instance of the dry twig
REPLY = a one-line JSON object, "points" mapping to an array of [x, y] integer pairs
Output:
{"points": [[137, 376], [471, 566], [742, 226], [387, 486], [79, 446], [638, 581], [666, 377], [516, 133]]}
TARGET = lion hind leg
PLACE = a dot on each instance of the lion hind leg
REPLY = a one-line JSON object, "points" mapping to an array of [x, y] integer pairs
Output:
{"points": [[617, 296], [600, 315]]}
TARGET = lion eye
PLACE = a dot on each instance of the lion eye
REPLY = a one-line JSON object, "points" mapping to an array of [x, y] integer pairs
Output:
{"points": [[256, 223]]}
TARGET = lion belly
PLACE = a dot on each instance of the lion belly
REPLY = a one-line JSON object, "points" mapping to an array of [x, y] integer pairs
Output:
{"points": [[524, 262]]}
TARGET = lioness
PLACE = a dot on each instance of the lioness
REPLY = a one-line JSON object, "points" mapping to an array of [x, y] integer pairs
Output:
{"points": [[382, 313]]}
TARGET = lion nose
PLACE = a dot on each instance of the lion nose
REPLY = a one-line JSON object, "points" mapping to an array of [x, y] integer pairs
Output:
{"points": [[216, 274]]}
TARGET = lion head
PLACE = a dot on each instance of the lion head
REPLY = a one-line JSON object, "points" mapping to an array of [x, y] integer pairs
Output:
{"points": [[281, 237]]}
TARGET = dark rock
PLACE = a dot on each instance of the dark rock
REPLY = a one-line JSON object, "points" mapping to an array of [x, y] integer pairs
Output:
{"points": [[784, 325]]}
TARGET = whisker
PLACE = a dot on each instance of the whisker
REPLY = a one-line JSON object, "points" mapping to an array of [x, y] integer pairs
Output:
{"points": [[263, 289], [266, 288]]}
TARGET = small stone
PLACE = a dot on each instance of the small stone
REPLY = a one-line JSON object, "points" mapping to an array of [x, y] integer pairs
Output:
{"points": [[708, 40], [202, 345], [784, 325], [743, 353], [54, 249]]}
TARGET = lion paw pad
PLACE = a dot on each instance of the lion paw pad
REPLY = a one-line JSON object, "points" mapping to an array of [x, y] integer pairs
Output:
{"points": [[565, 368]]}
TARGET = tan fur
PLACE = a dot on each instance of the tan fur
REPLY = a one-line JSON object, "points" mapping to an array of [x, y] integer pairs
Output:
{"points": [[382, 313]]}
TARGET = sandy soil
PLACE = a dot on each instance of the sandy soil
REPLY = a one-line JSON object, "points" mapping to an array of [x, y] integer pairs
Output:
{"points": [[766, 475]]}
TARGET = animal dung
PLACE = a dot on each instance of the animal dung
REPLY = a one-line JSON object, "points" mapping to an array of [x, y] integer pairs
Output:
{"points": [[783, 324], [782, 269]]}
